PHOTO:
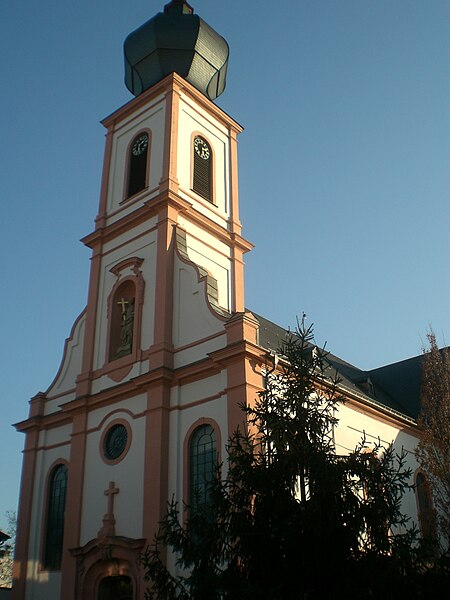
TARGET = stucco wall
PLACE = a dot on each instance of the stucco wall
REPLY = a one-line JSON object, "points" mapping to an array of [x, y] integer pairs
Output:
{"points": [[193, 119], [152, 118], [356, 423], [127, 473]]}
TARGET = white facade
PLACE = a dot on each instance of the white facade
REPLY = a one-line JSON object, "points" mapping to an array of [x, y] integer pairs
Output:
{"points": [[192, 358]]}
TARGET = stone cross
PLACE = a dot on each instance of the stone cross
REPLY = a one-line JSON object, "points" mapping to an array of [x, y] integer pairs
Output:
{"points": [[110, 492], [109, 523]]}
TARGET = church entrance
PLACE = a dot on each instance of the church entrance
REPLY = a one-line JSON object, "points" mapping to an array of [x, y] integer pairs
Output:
{"points": [[115, 588]]}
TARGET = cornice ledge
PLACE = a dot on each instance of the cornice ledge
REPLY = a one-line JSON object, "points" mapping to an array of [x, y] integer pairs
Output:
{"points": [[77, 405], [171, 198], [159, 89], [113, 229], [199, 368], [237, 350], [41, 422], [27, 424], [192, 92], [113, 541], [241, 242], [152, 377], [82, 403]]}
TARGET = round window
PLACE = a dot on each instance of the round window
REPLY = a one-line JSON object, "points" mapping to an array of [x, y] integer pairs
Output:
{"points": [[115, 441]]}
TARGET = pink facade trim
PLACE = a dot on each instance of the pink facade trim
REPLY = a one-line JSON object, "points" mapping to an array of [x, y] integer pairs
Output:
{"points": [[172, 81]]}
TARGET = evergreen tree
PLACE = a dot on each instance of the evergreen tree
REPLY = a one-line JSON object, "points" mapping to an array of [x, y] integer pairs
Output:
{"points": [[291, 518]]}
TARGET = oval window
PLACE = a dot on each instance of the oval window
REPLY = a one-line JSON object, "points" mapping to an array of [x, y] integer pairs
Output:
{"points": [[115, 442]]}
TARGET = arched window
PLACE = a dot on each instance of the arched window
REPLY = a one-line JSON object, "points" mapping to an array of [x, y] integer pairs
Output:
{"points": [[425, 507], [55, 518], [122, 321], [137, 164], [202, 466], [202, 178]]}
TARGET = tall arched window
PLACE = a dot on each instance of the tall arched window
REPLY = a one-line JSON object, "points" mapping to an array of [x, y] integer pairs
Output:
{"points": [[202, 177], [202, 466], [55, 518], [425, 507], [137, 164]]}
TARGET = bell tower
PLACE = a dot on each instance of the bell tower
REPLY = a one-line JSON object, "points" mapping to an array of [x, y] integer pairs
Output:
{"points": [[169, 189], [164, 352]]}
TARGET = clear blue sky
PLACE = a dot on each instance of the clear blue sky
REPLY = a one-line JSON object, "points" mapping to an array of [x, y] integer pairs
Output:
{"points": [[344, 172]]}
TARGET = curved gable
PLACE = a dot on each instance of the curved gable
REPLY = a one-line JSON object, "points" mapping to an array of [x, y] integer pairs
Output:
{"points": [[70, 366]]}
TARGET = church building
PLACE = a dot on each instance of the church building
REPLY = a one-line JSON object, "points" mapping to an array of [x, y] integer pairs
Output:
{"points": [[157, 364]]}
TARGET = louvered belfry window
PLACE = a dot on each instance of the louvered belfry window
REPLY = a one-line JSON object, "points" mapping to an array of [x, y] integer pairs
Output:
{"points": [[202, 180], [137, 165]]}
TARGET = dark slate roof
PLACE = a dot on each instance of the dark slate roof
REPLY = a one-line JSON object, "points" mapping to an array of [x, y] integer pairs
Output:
{"points": [[395, 387], [402, 381]]}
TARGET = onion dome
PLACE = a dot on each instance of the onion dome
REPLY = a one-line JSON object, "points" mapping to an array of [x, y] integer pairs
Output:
{"points": [[176, 41]]}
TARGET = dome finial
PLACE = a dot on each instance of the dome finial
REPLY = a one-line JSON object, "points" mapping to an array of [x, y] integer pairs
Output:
{"points": [[177, 41], [178, 7]]}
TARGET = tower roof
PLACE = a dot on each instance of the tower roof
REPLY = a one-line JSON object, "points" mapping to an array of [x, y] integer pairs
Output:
{"points": [[176, 40]]}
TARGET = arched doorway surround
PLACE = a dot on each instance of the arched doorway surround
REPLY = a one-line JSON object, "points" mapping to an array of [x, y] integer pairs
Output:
{"points": [[108, 559]]}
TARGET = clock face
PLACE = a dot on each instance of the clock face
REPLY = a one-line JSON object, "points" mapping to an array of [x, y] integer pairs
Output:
{"points": [[201, 148], [140, 145]]}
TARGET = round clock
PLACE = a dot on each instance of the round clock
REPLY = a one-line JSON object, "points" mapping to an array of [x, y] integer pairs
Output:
{"points": [[140, 145], [201, 148]]}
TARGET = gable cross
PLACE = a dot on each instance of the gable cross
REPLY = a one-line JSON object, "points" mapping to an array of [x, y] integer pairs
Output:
{"points": [[108, 529], [111, 492]]}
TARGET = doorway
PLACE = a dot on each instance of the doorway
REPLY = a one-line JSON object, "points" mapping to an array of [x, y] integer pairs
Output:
{"points": [[115, 588]]}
